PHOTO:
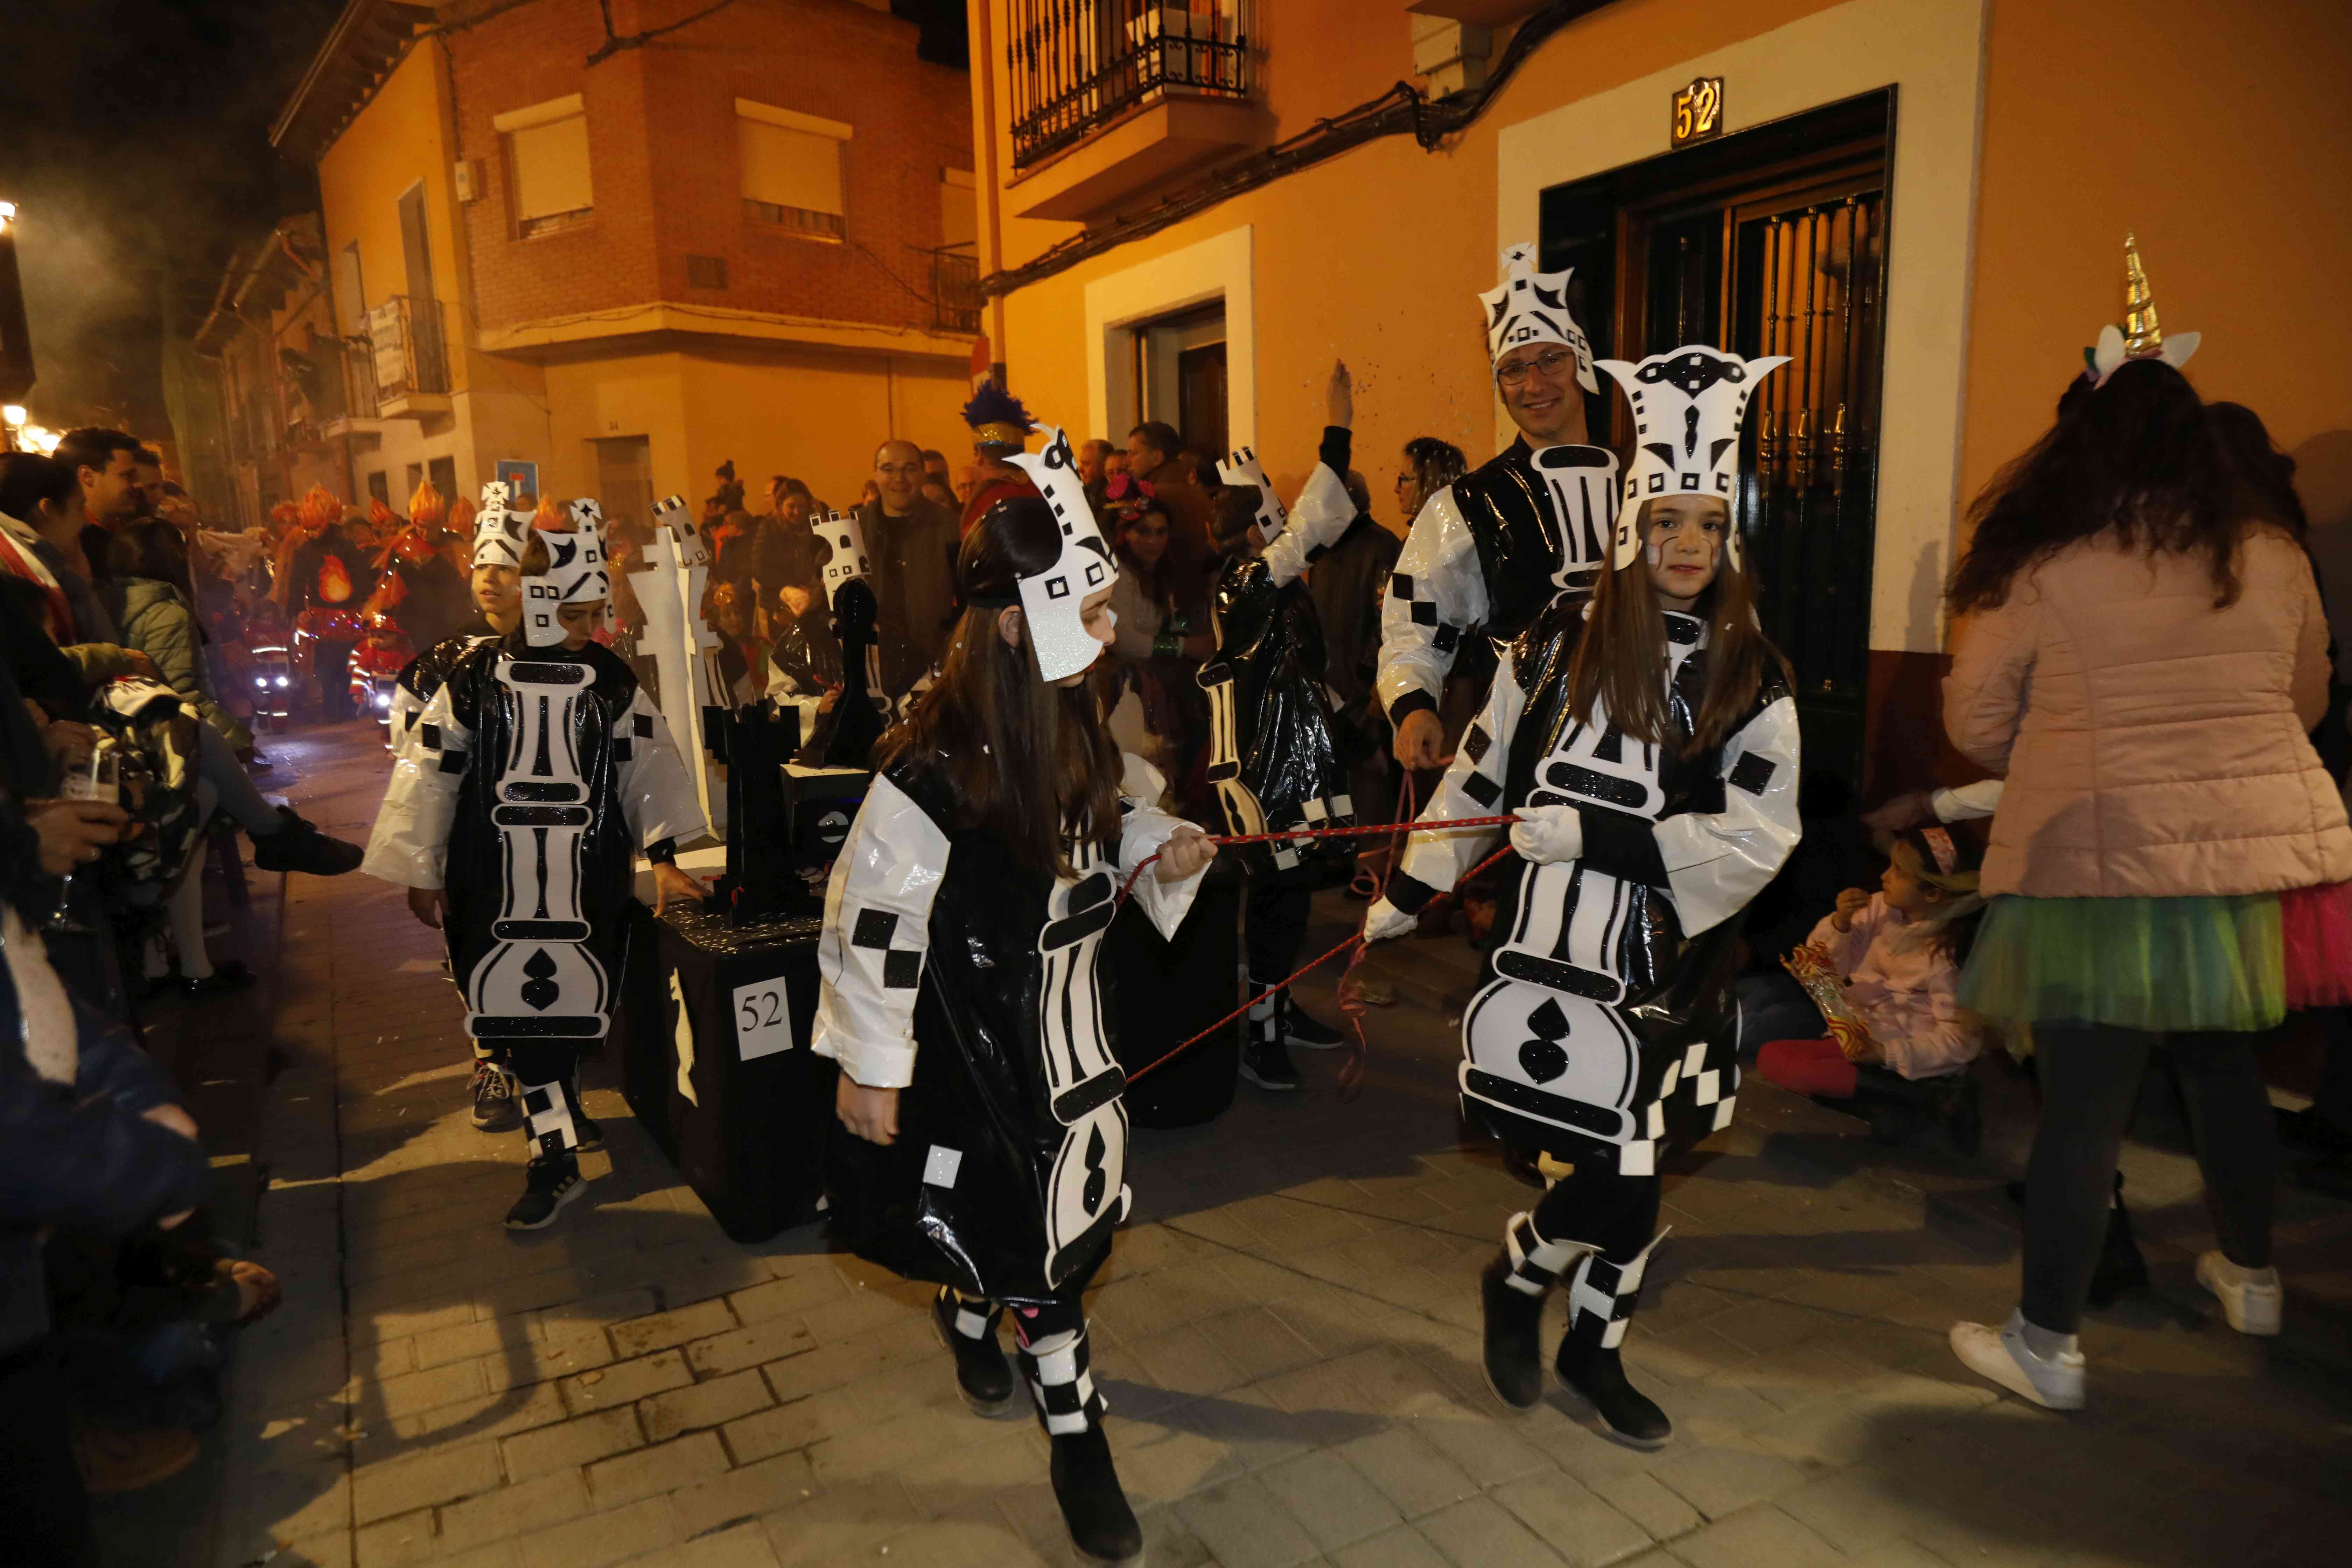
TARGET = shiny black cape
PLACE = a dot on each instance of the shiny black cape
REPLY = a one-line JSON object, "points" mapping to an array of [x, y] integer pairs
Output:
{"points": [[1509, 509], [1272, 640], [980, 1084]]}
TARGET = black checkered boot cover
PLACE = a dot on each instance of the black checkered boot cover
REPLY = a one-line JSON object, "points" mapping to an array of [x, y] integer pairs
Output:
{"points": [[1056, 1368], [546, 1121]]}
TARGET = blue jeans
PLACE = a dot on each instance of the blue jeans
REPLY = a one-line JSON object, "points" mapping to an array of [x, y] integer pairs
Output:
{"points": [[1773, 1007]]}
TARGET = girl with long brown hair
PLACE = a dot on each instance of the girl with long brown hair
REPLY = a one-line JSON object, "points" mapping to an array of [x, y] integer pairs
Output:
{"points": [[976, 1035], [1647, 741]]}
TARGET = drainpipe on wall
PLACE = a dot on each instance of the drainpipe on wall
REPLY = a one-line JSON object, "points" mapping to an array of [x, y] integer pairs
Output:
{"points": [[990, 191]]}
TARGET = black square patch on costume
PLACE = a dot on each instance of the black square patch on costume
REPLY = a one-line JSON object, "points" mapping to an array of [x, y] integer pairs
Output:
{"points": [[1482, 789], [902, 969], [1446, 639], [431, 736], [1475, 742], [1752, 774], [1401, 584], [874, 927], [1425, 613], [643, 723], [453, 761]]}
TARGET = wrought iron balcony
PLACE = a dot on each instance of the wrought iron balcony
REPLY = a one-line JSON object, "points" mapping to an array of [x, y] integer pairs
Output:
{"points": [[410, 355], [1078, 66]]}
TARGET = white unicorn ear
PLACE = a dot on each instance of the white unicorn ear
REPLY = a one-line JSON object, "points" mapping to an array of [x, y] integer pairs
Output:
{"points": [[2110, 351], [2179, 347]]}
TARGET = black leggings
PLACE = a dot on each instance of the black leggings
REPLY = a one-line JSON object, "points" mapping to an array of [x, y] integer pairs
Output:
{"points": [[1617, 1214], [1279, 904], [2090, 1080]]}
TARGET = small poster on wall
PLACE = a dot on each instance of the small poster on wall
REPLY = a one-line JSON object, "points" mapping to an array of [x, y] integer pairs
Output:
{"points": [[521, 479]]}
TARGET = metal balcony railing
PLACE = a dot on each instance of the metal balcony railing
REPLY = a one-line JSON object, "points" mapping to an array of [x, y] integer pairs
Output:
{"points": [[406, 346], [955, 289], [1077, 65]]}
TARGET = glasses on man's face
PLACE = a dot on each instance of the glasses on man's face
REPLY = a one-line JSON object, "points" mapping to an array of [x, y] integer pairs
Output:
{"points": [[1551, 365]]}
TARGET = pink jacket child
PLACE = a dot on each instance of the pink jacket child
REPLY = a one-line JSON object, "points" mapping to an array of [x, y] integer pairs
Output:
{"points": [[1897, 954]]}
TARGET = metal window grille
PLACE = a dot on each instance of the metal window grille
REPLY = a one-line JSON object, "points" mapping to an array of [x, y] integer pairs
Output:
{"points": [[1078, 65], [955, 289], [407, 352], [805, 222]]}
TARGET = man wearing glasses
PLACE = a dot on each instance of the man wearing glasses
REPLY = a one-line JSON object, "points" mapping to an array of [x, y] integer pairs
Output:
{"points": [[1490, 550]]}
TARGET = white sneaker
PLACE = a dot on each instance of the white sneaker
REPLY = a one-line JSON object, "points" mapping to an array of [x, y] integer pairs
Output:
{"points": [[2055, 1382], [2251, 1298]]}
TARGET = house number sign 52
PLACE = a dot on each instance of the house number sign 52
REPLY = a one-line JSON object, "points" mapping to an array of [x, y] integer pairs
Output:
{"points": [[1698, 110]]}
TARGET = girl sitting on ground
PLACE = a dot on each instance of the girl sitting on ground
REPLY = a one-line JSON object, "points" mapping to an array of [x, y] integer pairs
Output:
{"points": [[1896, 955]]}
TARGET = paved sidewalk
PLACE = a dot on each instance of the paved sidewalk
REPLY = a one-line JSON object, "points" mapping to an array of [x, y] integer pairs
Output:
{"points": [[1286, 1334]]}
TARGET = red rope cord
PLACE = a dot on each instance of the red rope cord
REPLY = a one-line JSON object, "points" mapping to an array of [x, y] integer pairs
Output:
{"points": [[1351, 1006]]}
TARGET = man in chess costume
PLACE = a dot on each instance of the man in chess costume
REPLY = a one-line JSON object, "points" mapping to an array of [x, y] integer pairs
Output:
{"points": [[1489, 551], [517, 799], [1647, 741], [963, 995], [1273, 758]]}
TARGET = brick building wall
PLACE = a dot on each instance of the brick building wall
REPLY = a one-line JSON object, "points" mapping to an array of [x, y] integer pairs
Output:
{"points": [[664, 161]]}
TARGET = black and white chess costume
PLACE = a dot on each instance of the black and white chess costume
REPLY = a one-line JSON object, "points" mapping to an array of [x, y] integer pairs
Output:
{"points": [[522, 791], [1488, 552], [972, 982], [1609, 1038], [1275, 759]]}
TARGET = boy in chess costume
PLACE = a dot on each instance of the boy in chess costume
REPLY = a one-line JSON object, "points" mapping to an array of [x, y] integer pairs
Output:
{"points": [[517, 799], [1488, 551], [963, 995], [1648, 739]]}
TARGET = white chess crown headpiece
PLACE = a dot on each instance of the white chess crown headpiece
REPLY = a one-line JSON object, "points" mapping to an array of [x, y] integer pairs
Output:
{"points": [[586, 511], [670, 512], [500, 536], [1531, 307], [2139, 337], [1050, 600], [1243, 469], [575, 575], [1688, 404], [846, 540]]}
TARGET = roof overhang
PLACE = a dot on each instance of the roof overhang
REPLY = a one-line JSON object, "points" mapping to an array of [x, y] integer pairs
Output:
{"points": [[367, 42]]}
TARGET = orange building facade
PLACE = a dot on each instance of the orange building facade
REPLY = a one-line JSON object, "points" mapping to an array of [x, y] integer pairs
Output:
{"points": [[1928, 198], [628, 256]]}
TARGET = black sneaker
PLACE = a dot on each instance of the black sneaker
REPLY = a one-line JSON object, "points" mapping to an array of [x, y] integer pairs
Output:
{"points": [[983, 1377], [1102, 1527], [1309, 1034], [1630, 1416], [495, 1110], [548, 1185], [1267, 1063], [225, 981], [1514, 1351], [297, 846]]}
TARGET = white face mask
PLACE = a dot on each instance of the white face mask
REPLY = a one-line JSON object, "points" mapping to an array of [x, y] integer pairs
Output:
{"points": [[1052, 601]]}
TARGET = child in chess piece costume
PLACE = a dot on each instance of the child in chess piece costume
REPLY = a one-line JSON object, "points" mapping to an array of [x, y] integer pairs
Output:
{"points": [[516, 801], [962, 997], [1274, 759], [1648, 743]]}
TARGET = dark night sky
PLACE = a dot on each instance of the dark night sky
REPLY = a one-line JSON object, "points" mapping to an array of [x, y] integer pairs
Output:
{"points": [[133, 138], [134, 141]]}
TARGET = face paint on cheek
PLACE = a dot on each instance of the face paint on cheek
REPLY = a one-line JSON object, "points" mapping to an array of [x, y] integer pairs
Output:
{"points": [[1657, 555]]}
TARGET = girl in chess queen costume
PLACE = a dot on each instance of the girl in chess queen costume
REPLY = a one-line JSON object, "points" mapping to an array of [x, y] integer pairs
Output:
{"points": [[533, 772], [962, 995], [1649, 745]]}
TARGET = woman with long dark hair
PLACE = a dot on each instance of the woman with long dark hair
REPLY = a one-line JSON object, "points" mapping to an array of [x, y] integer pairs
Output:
{"points": [[2143, 652], [1647, 741], [961, 996]]}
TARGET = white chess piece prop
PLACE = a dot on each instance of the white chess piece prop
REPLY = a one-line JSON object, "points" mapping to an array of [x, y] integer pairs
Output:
{"points": [[669, 589]]}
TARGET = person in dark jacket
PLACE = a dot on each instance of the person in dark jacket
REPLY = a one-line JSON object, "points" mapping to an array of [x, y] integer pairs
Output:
{"points": [[92, 1137]]}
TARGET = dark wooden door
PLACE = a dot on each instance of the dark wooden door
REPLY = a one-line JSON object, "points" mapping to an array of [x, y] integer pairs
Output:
{"points": [[1772, 241], [1201, 397]]}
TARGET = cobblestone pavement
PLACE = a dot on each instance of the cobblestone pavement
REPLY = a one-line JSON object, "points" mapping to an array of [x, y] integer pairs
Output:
{"points": [[1286, 1334]]}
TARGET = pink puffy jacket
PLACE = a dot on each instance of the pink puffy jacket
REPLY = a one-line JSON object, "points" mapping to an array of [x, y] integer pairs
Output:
{"points": [[2155, 746]]}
